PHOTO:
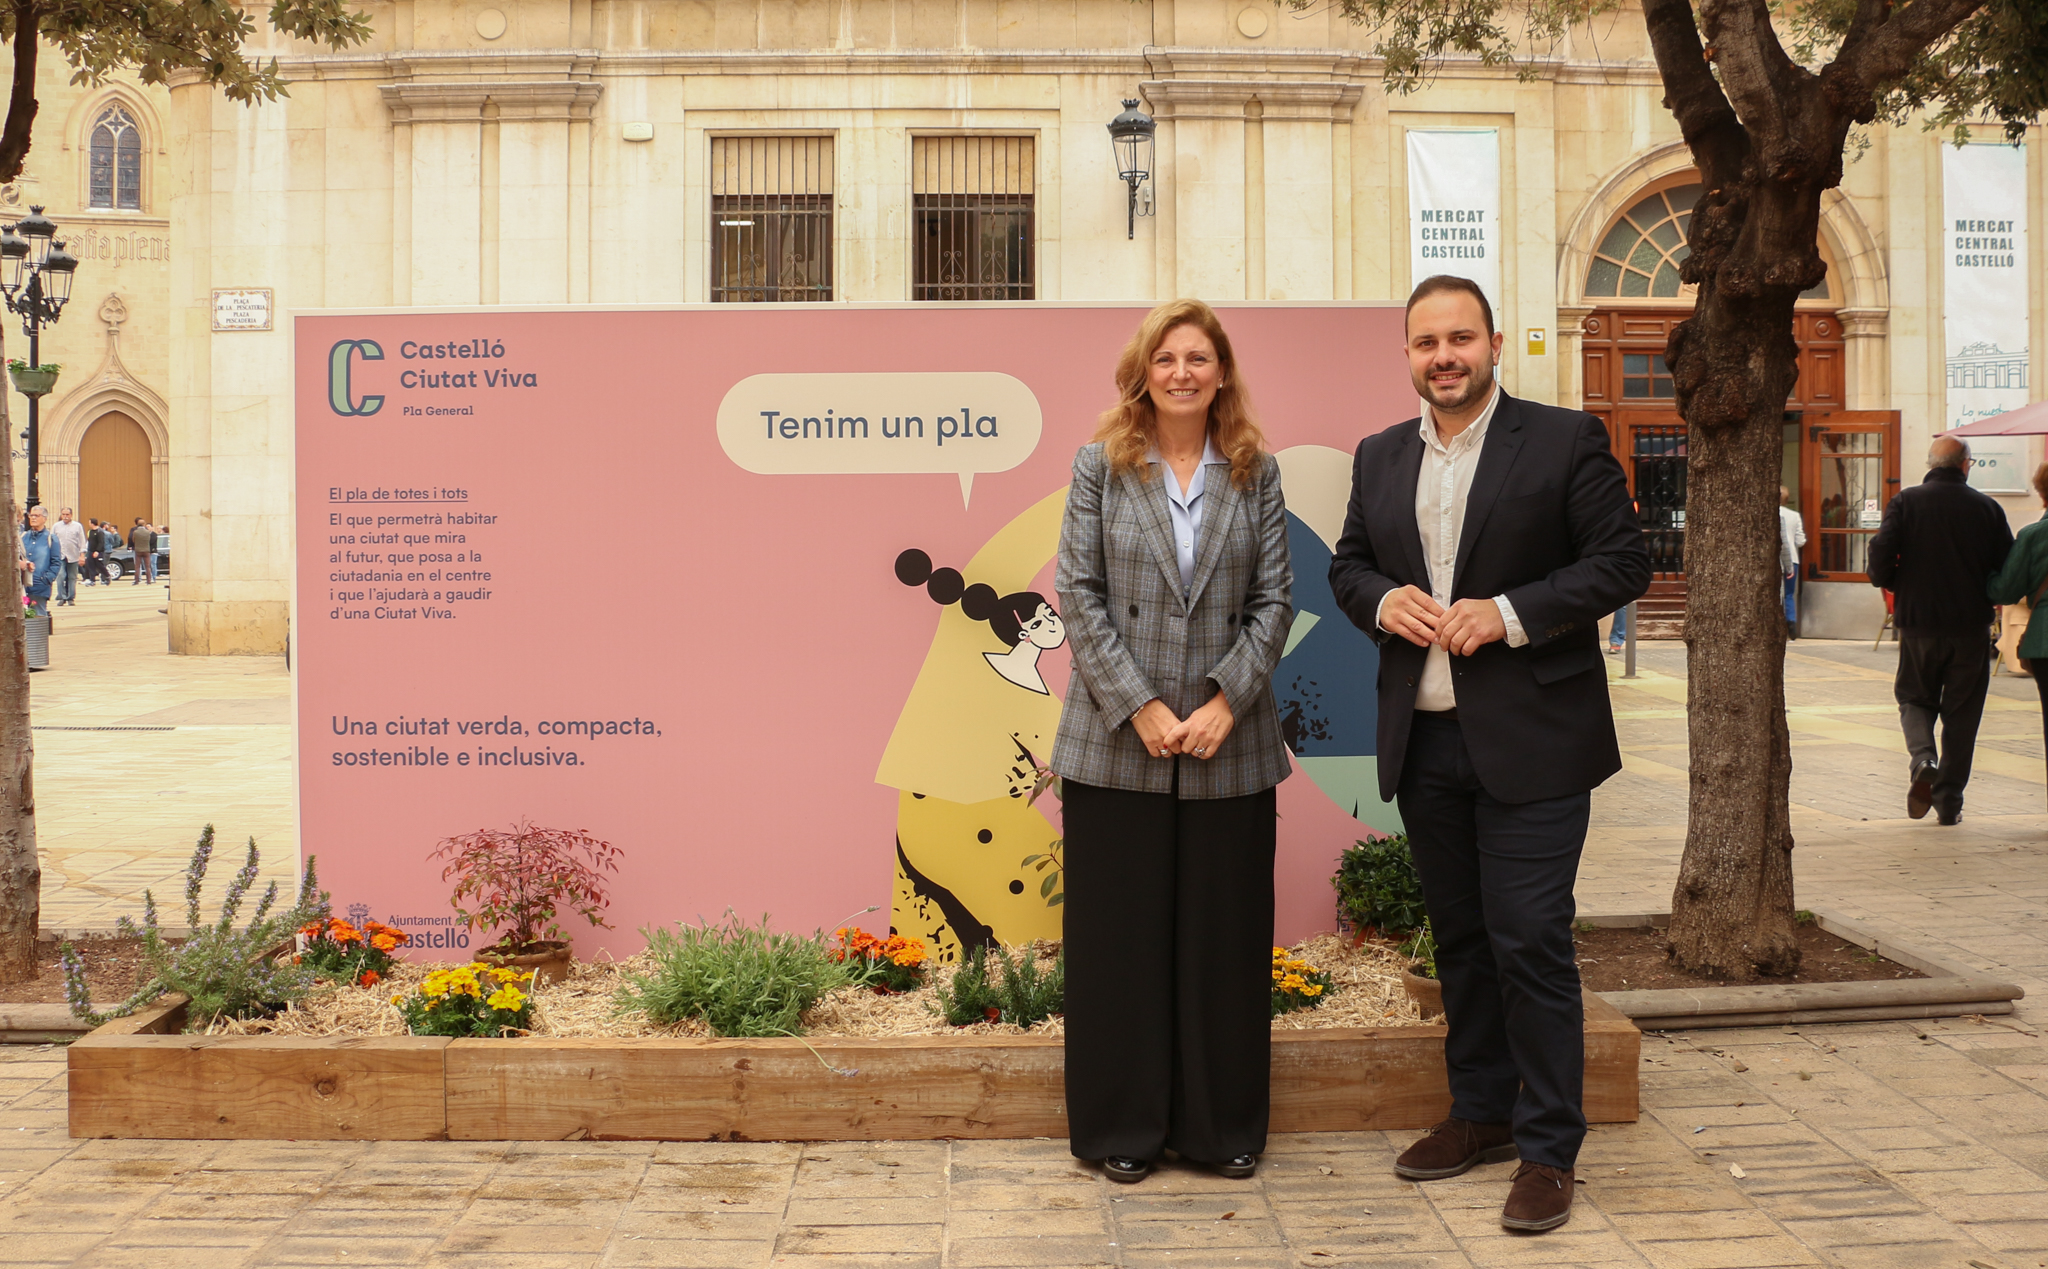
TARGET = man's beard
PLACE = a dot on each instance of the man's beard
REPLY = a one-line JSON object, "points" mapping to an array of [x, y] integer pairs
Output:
{"points": [[1478, 384]]}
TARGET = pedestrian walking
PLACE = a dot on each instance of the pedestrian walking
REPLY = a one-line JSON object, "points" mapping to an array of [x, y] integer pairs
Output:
{"points": [[142, 541], [2024, 576], [1483, 542], [1937, 548], [94, 570], [41, 560], [70, 535], [1791, 539], [1174, 579]]}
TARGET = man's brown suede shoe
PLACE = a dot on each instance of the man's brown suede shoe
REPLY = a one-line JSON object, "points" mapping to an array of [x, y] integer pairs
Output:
{"points": [[1455, 1146], [1541, 1198]]}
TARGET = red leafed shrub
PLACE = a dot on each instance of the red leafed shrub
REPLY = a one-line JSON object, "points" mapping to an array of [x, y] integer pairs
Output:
{"points": [[517, 880]]}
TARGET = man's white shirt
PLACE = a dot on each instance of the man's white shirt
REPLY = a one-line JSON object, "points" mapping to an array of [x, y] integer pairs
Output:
{"points": [[1441, 488]]}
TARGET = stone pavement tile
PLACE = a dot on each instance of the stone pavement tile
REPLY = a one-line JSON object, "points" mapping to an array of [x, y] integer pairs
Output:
{"points": [[175, 1257], [1348, 1213], [862, 1210], [78, 1210], [1832, 1233], [347, 1194], [860, 1240], [1394, 1236], [723, 1176], [340, 1222], [1026, 1223], [758, 1153], [680, 1198], [46, 1245], [998, 1172], [1049, 1251], [2030, 1237], [1199, 1235], [670, 1253], [1141, 1206], [1719, 1253], [1969, 1208], [1723, 1223], [423, 1172], [1064, 1195], [1571, 1245], [1154, 1258], [76, 1169], [1377, 1258], [151, 1231], [289, 1250], [857, 1260], [477, 1237], [248, 1156], [1860, 1201], [496, 1211], [1687, 1190], [214, 1181], [541, 1187]]}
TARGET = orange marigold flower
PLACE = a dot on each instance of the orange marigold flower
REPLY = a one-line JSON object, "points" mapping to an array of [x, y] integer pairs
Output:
{"points": [[383, 942], [370, 978]]}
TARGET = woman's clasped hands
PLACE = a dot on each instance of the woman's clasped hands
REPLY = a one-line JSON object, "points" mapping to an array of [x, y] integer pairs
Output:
{"points": [[1201, 733]]}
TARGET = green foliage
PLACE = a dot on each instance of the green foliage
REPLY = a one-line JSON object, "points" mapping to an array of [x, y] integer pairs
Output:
{"points": [[156, 37], [1992, 66], [969, 997], [1052, 862], [1413, 37], [1420, 948], [742, 980], [48, 367], [226, 971], [1804, 917], [1377, 886], [1019, 992]]}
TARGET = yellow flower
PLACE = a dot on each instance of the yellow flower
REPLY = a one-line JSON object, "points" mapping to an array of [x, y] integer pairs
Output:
{"points": [[1276, 975], [1312, 990], [508, 998]]}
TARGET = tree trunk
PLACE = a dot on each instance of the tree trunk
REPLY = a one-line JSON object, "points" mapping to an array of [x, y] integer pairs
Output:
{"points": [[1733, 365], [1731, 914], [17, 134], [21, 875]]}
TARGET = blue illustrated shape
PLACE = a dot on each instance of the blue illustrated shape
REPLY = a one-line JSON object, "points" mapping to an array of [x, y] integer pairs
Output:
{"points": [[1326, 688]]}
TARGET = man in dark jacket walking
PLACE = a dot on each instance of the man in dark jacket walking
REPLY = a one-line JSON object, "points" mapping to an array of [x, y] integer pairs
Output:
{"points": [[1940, 543]]}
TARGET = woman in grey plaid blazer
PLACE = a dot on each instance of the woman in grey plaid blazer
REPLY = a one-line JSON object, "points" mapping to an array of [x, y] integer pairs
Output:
{"points": [[1174, 580]]}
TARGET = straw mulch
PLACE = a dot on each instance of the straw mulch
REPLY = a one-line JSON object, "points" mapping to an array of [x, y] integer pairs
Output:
{"points": [[1367, 993]]}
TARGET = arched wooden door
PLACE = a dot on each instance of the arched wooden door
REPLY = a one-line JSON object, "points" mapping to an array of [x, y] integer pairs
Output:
{"points": [[114, 472], [1634, 281]]}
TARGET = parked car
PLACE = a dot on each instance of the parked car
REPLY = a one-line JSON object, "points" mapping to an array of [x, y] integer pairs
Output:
{"points": [[121, 560]]}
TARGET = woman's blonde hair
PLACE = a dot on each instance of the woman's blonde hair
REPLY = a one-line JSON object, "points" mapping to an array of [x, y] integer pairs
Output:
{"points": [[1128, 431]]}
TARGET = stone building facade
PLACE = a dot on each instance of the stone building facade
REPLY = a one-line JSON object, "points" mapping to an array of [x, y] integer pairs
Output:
{"points": [[552, 152]]}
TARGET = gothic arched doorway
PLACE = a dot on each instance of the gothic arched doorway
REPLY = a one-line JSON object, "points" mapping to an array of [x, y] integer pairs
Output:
{"points": [[114, 471]]}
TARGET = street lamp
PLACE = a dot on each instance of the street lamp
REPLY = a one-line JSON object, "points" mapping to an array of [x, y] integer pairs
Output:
{"points": [[1130, 133], [35, 277]]}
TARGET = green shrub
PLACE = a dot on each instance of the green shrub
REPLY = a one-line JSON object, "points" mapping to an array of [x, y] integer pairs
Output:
{"points": [[1377, 886], [1420, 949], [226, 972], [742, 980], [1020, 992], [469, 1000]]}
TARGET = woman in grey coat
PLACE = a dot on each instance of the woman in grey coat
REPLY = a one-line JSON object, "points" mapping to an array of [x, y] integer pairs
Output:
{"points": [[1174, 580]]}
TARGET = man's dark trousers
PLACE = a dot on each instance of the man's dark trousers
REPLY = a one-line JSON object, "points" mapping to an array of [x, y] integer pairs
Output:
{"points": [[1497, 878], [1943, 676]]}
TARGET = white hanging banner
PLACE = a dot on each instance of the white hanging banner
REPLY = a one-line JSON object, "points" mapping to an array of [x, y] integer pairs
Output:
{"points": [[1454, 207], [1984, 301]]}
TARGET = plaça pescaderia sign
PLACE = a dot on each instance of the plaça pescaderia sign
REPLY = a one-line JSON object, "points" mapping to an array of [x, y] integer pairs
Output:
{"points": [[763, 596]]}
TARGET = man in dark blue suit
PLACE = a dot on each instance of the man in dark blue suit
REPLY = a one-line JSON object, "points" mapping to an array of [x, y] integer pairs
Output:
{"points": [[1483, 543]]}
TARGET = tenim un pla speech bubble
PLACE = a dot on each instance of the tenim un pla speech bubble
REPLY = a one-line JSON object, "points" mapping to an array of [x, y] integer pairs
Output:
{"points": [[883, 423]]}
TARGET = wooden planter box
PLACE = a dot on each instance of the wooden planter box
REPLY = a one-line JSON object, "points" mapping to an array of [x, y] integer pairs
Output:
{"points": [[138, 1077]]}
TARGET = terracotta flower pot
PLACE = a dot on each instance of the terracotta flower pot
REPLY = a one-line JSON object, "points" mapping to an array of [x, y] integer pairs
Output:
{"points": [[548, 959], [1427, 993]]}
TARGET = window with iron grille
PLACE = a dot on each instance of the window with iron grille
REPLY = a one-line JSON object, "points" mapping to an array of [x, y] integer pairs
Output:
{"points": [[771, 219], [971, 218], [114, 161]]}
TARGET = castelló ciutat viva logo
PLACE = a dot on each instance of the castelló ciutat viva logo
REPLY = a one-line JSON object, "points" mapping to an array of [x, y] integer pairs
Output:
{"points": [[340, 395]]}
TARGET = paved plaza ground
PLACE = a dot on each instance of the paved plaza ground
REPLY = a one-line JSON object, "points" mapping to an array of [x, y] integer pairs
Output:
{"points": [[1866, 1146]]}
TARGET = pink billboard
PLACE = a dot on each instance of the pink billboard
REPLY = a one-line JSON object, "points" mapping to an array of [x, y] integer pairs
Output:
{"points": [[762, 595]]}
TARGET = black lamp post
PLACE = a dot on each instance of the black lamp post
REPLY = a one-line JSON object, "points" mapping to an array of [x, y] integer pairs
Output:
{"points": [[1131, 135], [35, 277]]}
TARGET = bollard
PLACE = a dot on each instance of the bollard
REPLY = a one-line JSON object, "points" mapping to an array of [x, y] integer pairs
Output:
{"points": [[1628, 654]]}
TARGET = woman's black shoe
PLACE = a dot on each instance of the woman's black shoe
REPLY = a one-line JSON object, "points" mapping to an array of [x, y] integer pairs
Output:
{"points": [[1128, 1171], [1239, 1167]]}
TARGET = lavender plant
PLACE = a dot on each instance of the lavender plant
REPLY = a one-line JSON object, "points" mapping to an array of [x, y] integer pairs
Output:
{"points": [[223, 970]]}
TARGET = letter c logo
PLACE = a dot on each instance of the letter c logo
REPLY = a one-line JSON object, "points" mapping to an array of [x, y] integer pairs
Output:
{"points": [[338, 393]]}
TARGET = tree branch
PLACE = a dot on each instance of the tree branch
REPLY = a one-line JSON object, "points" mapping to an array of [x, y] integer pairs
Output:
{"points": [[21, 104], [1884, 43], [1765, 85], [1691, 93]]}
